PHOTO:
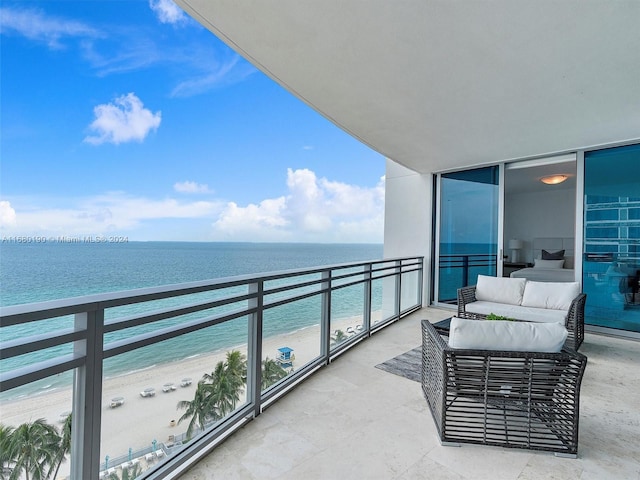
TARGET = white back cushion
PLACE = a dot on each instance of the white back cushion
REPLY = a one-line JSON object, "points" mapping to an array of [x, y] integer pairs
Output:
{"points": [[506, 335], [555, 295], [500, 289]]}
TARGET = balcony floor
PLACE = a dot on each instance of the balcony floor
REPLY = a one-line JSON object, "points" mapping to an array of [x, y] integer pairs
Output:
{"points": [[351, 420]]}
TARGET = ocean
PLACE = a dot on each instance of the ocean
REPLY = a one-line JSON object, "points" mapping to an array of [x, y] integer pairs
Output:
{"points": [[48, 271]]}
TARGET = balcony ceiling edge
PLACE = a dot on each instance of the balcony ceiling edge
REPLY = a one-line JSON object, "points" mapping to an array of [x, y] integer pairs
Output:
{"points": [[438, 85]]}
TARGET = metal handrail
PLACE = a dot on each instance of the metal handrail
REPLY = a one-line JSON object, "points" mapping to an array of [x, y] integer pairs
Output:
{"points": [[87, 346]]}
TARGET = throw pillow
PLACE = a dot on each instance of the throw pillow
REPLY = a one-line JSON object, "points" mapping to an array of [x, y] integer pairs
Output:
{"points": [[559, 255]]}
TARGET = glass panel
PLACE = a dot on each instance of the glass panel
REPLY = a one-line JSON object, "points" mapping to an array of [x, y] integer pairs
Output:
{"points": [[383, 292], [376, 301], [291, 337], [409, 294], [159, 397], [39, 412], [611, 263], [347, 312], [468, 229]]}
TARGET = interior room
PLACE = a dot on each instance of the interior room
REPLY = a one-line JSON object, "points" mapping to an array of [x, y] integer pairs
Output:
{"points": [[539, 215]]}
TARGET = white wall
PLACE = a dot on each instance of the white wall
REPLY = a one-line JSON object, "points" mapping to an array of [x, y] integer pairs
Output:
{"points": [[407, 216], [539, 215]]}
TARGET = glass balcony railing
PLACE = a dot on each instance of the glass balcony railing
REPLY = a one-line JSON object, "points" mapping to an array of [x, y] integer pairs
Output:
{"points": [[459, 270], [138, 384]]}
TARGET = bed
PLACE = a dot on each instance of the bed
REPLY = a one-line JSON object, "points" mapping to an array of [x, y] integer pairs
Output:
{"points": [[546, 270]]}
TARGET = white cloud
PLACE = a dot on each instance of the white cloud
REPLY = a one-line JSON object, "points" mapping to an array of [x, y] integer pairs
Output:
{"points": [[35, 25], [110, 213], [200, 65], [221, 71], [262, 222], [167, 11], [314, 210], [125, 120], [191, 187], [7, 214]]}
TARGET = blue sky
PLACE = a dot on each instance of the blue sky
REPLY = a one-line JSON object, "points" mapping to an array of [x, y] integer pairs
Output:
{"points": [[130, 119]]}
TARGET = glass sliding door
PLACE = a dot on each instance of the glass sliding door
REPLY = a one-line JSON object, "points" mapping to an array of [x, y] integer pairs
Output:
{"points": [[611, 261], [468, 229]]}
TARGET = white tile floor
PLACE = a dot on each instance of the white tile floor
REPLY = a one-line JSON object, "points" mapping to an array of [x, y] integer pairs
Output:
{"points": [[354, 421]]}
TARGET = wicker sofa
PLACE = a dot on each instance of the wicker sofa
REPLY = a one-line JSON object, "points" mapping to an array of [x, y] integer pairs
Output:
{"points": [[514, 399], [528, 301]]}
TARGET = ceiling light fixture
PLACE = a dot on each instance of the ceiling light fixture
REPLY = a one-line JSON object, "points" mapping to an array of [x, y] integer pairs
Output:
{"points": [[554, 179]]}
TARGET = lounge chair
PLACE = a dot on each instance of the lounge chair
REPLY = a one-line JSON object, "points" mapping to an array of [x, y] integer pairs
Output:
{"points": [[511, 399]]}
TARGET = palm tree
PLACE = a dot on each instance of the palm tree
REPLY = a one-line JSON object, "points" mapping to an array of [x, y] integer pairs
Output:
{"points": [[64, 447], [198, 409], [130, 473], [217, 393], [224, 389], [6, 459], [33, 447], [237, 366], [339, 336], [271, 373]]}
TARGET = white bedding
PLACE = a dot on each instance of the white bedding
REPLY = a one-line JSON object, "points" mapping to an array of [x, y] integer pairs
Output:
{"points": [[545, 274]]}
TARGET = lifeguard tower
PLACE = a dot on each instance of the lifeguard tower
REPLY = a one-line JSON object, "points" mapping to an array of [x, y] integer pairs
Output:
{"points": [[285, 357]]}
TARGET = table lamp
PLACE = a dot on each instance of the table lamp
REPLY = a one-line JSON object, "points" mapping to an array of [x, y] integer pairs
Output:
{"points": [[514, 246]]}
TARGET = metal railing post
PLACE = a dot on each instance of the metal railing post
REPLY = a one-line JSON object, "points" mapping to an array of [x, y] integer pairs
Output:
{"points": [[465, 270], [367, 298], [325, 321], [254, 354], [398, 278], [420, 282], [87, 397]]}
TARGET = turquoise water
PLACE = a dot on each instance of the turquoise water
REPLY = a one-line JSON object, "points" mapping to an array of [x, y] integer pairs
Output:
{"points": [[39, 272]]}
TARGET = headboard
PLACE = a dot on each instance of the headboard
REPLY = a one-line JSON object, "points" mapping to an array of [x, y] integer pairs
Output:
{"points": [[553, 245]]}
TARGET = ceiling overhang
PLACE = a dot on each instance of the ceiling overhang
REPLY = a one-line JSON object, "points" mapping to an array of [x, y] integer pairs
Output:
{"points": [[436, 85]]}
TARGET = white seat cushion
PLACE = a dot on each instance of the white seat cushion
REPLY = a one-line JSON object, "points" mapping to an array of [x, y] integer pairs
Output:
{"points": [[506, 335], [554, 295], [500, 289], [529, 314]]}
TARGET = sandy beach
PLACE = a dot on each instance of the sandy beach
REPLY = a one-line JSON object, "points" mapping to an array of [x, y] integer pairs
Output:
{"points": [[139, 421]]}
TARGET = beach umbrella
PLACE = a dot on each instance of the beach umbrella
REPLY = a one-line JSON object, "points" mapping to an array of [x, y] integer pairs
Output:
{"points": [[130, 452], [154, 444], [106, 462]]}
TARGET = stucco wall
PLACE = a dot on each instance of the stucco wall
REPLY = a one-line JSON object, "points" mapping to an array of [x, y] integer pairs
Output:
{"points": [[407, 216]]}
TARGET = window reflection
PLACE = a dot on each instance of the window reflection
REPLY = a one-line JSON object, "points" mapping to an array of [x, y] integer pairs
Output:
{"points": [[611, 263]]}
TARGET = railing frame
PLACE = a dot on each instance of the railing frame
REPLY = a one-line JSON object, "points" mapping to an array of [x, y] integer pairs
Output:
{"points": [[89, 349]]}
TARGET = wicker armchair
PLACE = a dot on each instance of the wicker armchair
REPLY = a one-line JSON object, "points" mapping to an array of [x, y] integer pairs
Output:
{"points": [[524, 400], [574, 321]]}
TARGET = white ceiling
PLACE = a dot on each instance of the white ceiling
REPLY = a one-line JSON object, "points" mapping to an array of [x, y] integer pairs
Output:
{"points": [[436, 85], [527, 180]]}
